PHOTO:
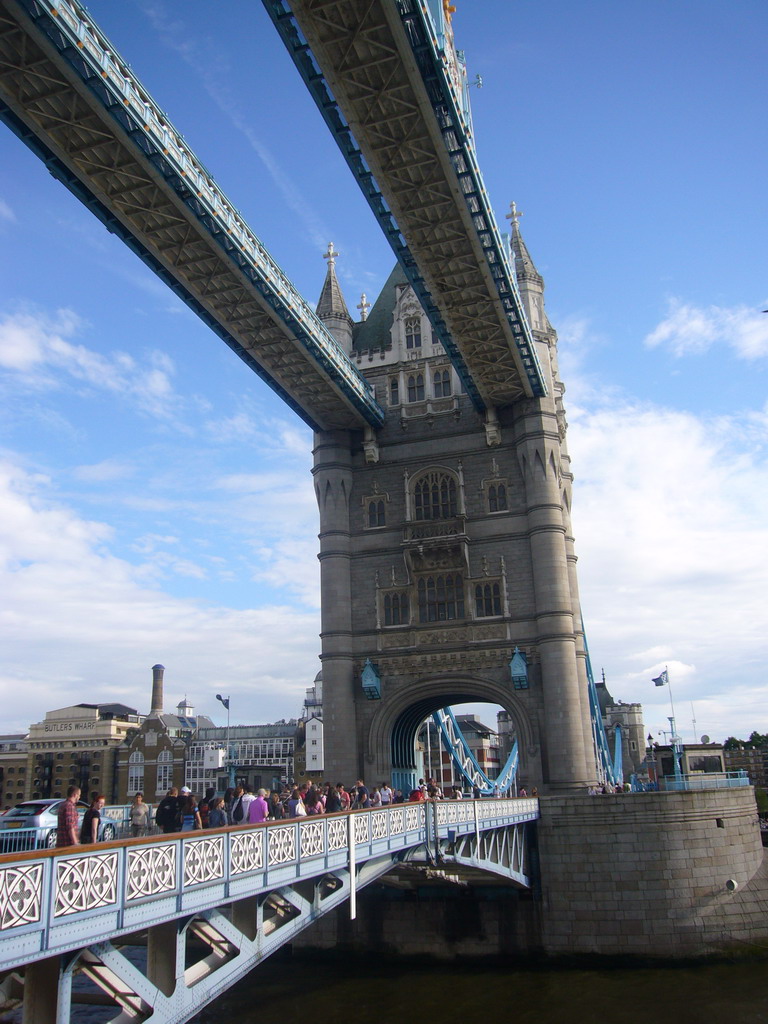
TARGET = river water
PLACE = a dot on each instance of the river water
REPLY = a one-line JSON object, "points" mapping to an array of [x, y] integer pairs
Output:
{"points": [[340, 991]]}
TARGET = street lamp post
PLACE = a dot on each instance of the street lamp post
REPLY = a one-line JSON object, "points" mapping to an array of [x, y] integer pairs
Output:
{"points": [[230, 764]]}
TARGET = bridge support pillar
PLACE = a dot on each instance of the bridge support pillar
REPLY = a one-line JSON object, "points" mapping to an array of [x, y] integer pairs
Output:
{"points": [[163, 956], [248, 916], [41, 992]]}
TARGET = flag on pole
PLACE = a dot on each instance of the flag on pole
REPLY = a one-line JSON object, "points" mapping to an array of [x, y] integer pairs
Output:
{"points": [[662, 679], [224, 700]]}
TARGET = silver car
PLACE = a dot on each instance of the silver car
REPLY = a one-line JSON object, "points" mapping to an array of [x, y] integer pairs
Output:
{"points": [[32, 825]]}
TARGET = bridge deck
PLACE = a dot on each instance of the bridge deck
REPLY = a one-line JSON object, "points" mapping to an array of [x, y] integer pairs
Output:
{"points": [[58, 900]]}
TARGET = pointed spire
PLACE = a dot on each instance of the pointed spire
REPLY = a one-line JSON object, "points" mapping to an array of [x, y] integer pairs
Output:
{"points": [[525, 271], [331, 301], [363, 305], [331, 307]]}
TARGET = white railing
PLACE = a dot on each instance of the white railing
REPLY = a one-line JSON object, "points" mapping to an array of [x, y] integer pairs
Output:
{"points": [[51, 900]]}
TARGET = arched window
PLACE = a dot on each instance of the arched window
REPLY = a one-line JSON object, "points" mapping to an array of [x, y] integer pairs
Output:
{"points": [[164, 771], [135, 773], [434, 497], [497, 498], [487, 600], [376, 513], [441, 384], [441, 598], [396, 610], [394, 391], [416, 387], [413, 332]]}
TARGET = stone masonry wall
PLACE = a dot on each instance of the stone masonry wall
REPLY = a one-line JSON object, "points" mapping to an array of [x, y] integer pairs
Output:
{"points": [[645, 874]]}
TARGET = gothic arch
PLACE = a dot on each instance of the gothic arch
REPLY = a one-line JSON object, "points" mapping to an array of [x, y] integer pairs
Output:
{"points": [[435, 492], [392, 732]]}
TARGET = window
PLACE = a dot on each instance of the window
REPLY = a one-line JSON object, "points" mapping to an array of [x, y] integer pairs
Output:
{"points": [[394, 391], [164, 771], [135, 773], [497, 498], [416, 387], [441, 598], [376, 513], [487, 600], [396, 610], [413, 332], [435, 497], [441, 384]]}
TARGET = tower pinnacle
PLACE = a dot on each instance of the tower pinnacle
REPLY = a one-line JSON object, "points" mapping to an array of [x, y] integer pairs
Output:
{"points": [[331, 307], [529, 280]]}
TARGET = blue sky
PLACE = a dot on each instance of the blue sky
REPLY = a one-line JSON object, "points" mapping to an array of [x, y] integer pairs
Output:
{"points": [[155, 497]]}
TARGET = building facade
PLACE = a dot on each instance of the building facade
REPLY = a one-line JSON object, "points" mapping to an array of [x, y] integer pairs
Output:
{"points": [[153, 758], [446, 543], [262, 756], [78, 745]]}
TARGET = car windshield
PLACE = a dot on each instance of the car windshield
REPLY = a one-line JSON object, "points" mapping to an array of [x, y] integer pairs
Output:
{"points": [[28, 810]]}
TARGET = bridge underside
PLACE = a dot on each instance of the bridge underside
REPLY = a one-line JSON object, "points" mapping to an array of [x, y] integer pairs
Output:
{"points": [[378, 67], [128, 167]]}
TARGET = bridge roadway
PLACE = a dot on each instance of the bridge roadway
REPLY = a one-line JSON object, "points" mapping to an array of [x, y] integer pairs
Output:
{"points": [[211, 905]]}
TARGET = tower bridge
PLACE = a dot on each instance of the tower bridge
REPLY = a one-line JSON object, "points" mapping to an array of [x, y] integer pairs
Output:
{"points": [[444, 488]]}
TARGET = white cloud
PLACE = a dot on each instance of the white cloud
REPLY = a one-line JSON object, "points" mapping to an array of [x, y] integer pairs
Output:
{"points": [[672, 539], [76, 619], [6, 213], [103, 472], [692, 329], [39, 349]]}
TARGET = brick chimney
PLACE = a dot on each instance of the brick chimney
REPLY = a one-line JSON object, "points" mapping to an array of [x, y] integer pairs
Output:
{"points": [[157, 690]]}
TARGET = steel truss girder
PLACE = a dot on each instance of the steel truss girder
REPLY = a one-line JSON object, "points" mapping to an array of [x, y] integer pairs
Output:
{"points": [[68, 96], [502, 851], [238, 938], [391, 106], [464, 760]]}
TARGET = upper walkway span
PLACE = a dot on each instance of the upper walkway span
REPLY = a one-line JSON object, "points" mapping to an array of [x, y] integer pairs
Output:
{"points": [[73, 100], [392, 89], [239, 892]]}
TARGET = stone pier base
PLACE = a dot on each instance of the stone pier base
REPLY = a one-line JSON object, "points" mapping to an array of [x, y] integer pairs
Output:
{"points": [[641, 876], [652, 874]]}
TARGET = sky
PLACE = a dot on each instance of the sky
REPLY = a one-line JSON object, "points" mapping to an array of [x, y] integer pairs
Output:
{"points": [[155, 497]]}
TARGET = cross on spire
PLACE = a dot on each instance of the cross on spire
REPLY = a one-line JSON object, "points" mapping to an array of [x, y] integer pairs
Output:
{"points": [[331, 255], [363, 306], [514, 214]]}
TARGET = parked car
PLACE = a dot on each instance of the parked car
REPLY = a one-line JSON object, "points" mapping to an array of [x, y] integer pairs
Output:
{"points": [[32, 825]]}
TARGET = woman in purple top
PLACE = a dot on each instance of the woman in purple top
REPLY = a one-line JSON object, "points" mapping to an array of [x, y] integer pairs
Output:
{"points": [[259, 809]]}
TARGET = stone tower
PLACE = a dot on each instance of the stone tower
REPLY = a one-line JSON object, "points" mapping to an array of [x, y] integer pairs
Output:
{"points": [[447, 563]]}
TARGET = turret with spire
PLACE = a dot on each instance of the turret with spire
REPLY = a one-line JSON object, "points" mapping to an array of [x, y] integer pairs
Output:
{"points": [[529, 281], [331, 307]]}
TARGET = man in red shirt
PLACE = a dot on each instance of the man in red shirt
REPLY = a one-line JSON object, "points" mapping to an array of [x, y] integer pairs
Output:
{"points": [[66, 830]]}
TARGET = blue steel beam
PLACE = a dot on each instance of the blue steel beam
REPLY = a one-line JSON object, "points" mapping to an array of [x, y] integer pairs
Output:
{"points": [[313, 78], [449, 109], [146, 131], [464, 760]]}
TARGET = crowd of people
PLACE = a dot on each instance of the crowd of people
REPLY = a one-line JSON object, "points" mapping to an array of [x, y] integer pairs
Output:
{"points": [[182, 811]]}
